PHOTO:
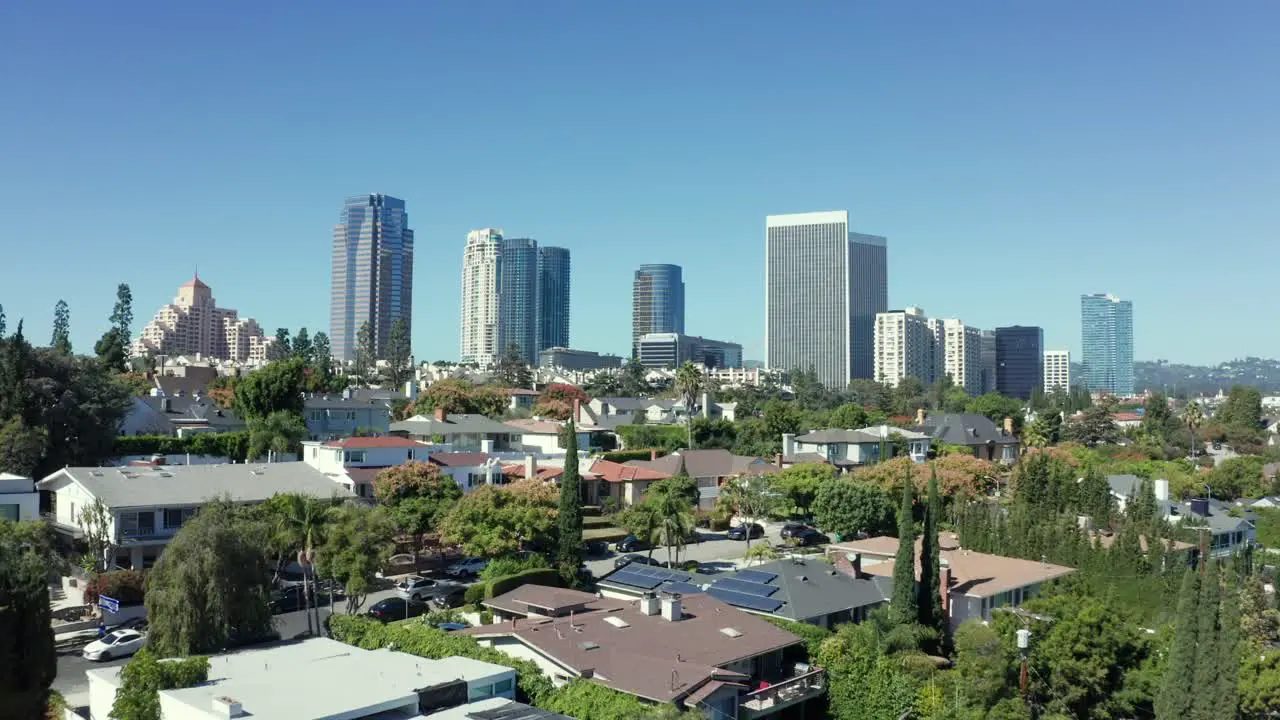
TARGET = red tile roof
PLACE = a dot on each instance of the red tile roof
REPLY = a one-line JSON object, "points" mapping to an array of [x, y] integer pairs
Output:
{"points": [[543, 473], [364, 443], [363, 475], [617, 472], [460, 459]]}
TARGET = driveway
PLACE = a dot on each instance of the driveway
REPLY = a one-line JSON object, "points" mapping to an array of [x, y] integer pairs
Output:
{"points": [[715, 550]]}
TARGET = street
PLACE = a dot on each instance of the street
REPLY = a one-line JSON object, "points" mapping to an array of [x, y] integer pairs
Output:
{"points": [[715, 550]]}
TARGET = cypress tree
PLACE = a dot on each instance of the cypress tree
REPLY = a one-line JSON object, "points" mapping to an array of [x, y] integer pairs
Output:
{"points": [[904, 567], [1173, 700], [1208, 657], [1229, 656], [930, 598], [28, 658], [569, 555]]}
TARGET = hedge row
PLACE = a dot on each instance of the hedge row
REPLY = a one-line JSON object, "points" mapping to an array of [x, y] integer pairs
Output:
{"points": [[621, 456], [539, 576], [232, 445], [811, 634]]}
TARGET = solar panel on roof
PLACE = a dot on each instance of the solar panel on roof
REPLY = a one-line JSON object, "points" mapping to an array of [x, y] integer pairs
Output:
{"points": [[623, 577], [750, 602], [683, 588], [758, 576], [660, 573], [746, 588]]}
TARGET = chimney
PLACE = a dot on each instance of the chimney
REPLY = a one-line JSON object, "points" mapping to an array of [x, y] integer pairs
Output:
{"points": [[856, 563], [411, 390], [1162, 489], [577, 411], [777, 460], [439, 414], [945, 589], [671, 610], [788, 444], [225, 707], [649, 604], [530, 466], [706, 404], [346, 393], [919, 416], [486, 446], [1008, 426], [165, 405], [653, 454]]}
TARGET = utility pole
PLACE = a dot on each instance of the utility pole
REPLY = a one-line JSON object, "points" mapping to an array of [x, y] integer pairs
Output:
{"points": [[1024, 647]]}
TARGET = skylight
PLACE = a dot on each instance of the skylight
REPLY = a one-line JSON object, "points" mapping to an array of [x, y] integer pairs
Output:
{"points": [[731, 632], [617, 622]]}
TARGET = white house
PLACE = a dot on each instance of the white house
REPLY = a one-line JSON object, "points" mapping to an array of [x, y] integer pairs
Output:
{"points": [[354, 462], [850, 448], [320, 678], [18, 498], [543, 436], [146, 506]]}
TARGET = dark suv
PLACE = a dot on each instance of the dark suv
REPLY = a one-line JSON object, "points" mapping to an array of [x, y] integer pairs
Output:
{"points": [[793, 529], [740, 532], [809, 536]]}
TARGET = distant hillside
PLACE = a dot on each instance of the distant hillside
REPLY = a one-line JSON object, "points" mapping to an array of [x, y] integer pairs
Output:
{"points": [[1195, 379]]}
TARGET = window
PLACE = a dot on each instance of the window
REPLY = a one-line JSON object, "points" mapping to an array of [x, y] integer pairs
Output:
{"points": [[316, 415], [480, 692], [351, 415], [354, 456], [502, 686], [175, 517], [9, 512]]}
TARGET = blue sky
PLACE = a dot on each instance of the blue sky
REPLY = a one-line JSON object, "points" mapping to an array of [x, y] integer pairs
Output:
{"points": [[1015, 154]]}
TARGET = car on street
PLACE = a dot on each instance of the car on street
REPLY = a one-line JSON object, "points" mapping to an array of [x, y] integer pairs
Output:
{"points": [[396, 608], [450, 626], [633, 558], [449, 597], [809, 536], [631, 543], [596, 548], [419, 589], [791, 529], [740, 532], [115, 644], [466, 567], [290, 599]]}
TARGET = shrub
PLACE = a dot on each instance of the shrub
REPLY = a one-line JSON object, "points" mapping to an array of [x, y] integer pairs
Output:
{"points": [[232, 445], [127, 586], [474, 594], [811, 634], [504, 566], [585, 699], [621, 456], [540, 576]]}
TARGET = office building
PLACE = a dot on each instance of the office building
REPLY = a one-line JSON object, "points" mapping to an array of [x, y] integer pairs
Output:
{"points": [[1019, 361], [671, 350], [570, 359], [824, 286], [1057, 371], [372, 278], [657, 302], [990, 372], [904, 347], [960, 349], [1106, 339], [518, 297], [194, 324], [479, 343], [553, 298]]}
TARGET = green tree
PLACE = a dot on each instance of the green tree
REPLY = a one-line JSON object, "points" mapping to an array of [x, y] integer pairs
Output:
{"points": [[322, 352], [283, 346], [280, 432], [21, 447], [110, 349], [849, 416], [851, 508], [1242, 409], [96, 520], [689, 383], [569, 554], [419, 497], [512, 370], [1229, 656], [1157, 418], [365, 366], [930, 598], [399, 355], [983, 669], [995, 407], [303, 348], [863, 682], [1177, 687], [61, 342], [675, 521], [2, 323], [1204, 706], [358, 542], [1095, 427], [492, 521], [274, 388], [799, 484], [210, 585], [28, 658], [752, 497], [122, 314], [1193, 417], [905, 609], [680, 485], [143, 677]]}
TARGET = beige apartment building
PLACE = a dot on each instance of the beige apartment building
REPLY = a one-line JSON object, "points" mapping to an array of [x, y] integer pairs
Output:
{"points": [[194, 324]]}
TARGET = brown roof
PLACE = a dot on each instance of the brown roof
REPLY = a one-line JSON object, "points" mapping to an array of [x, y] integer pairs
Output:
{"points": [[363, 475], [619, 472], [459, 459], [717, 463], [705, 692], [516, 470], [650, 657], [535, 427], [1106, 540], [668, 465], [973, 573], [364, 443], [556, 600]]}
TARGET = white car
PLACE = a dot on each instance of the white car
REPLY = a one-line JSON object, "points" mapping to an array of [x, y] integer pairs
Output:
{"points": [[468, 566], [417, 588], [116, 644]]}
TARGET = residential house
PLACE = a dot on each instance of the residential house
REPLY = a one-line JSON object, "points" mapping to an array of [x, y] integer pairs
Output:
{"points": [[341, 681], [19, 500], [1126, 420], [460, 431], [537, 435], [469, 470], [637, 581], [625, 484], [146, 506], [972, 585], [847, 449], [709, 468], [355, 461], [656, 412], [694, 651], [352, 411], [1231, 527], [179, 414], [988, 442]]}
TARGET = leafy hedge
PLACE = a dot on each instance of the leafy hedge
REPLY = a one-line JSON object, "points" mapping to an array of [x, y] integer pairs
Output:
{"points": [[585, 699], [233, 445], [474, 594], [621, 456], [540, 576], [127, 586], [662, 437], [811, 634], [418, 639]]}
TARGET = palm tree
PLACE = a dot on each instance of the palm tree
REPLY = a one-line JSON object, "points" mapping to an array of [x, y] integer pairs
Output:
{"points": [[675, 522], [1192, 417], [300, 526], [279, 432], [689, 384]]}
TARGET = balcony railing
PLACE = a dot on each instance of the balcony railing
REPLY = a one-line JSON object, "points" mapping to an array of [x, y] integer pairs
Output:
{"points": [[147, 533], [784, 694]]}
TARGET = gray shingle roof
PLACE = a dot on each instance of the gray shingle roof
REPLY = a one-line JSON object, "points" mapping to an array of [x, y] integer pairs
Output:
{"points": [[812, 588], [176, 485], [827, 437], [964, 429], [189, 409], [453, 425]]}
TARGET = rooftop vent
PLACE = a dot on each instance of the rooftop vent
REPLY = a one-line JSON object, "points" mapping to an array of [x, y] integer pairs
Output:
{"points": [[225, 707], [731, 632], [617, 622], [589, 645]]}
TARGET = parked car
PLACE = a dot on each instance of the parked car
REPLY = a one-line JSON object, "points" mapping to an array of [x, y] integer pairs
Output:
{"points": [[138, 623], [449, 597], [809, 536], [595, 548], [740, 532], [631, 543], [792, 529], [450, 626], [396, 608], [685, 565], [418, 588], [115, 644], [633, 558], [290, 599], [466, 567]]}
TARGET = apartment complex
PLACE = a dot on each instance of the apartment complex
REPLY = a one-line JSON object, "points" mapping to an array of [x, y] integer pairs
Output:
{"points": [[570, 359], [824, 286], [1106, 340], [671, 350], [513, 293], [960, 347], [372, 279], [657, 302], [194, 324], [1057, 370], [909, 344], [1019, 360]]}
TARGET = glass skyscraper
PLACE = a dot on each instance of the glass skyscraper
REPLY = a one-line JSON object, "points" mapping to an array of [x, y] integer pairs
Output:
{"points": [[518, 298], [824, 286], [657, 302], [372, 277], [1019, 361], [1106, 340], [553, 298]]}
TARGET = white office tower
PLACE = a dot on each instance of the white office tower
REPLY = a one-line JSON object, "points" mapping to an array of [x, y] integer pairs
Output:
{"points": [[960, 348], [1057, 370], [480, 267], [823, 288], [904, 347]]}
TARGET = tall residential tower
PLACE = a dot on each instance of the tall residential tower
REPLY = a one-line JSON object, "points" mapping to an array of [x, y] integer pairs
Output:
{"points": [[372, 277], [479, 327], [657, 302], [553, 298], [1106, 340], [824, 286]]}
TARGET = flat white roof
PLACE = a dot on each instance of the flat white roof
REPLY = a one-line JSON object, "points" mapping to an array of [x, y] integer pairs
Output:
{"points": [[809, 218]]}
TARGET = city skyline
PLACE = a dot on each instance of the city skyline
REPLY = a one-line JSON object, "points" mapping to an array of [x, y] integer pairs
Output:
{"points": [[371, 280]]}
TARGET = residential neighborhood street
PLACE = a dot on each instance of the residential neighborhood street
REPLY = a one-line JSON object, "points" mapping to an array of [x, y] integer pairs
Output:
{"points": [[715, 550]]}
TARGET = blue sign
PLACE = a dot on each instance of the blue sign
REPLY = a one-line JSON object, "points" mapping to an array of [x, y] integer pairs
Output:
{"points": [[108, 604]]}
